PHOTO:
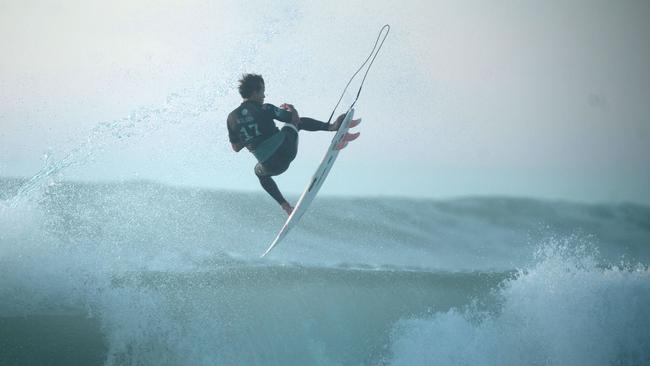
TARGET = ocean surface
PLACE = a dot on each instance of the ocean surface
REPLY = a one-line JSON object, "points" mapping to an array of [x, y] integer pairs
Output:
{"points": [[140, 273]]}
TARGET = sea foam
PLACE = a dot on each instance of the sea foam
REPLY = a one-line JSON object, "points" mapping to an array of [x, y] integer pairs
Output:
{"points": [[566, 310]]}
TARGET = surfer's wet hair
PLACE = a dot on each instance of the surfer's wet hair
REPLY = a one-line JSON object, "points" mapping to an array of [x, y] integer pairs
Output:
{"points": [[250, 83]]}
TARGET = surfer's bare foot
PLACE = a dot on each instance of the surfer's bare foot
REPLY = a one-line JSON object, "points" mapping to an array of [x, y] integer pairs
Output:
{"points": [[287, 208], [335, 126]]}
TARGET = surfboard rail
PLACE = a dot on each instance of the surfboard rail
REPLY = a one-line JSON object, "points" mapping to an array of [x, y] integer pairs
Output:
{"points": [[315, 182]]}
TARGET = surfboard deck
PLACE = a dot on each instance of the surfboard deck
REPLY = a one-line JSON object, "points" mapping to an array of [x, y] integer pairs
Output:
{"points": [[339, 141]]}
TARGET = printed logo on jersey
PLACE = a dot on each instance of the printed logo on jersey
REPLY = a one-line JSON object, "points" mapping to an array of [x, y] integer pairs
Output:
{"points": [[248, 132], [247, 119]]}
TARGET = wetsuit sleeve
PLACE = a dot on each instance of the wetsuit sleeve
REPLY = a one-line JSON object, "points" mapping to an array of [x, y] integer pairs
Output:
{"points": [[278, 113], [233, 135]]}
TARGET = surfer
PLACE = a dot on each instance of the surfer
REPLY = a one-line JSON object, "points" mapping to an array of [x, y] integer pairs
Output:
{"points": [[251, 125]]}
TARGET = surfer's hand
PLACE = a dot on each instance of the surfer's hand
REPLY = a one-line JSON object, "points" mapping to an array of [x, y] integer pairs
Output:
{"points": [[295, 117], [288, 107], [287, 208]]}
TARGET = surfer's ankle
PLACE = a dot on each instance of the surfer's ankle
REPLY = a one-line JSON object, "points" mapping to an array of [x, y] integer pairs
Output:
{"points": [[286, 206]]}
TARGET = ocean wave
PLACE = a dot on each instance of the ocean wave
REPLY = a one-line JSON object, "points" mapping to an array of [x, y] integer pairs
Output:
{"points": [[566, 310], [153, 274], [149, 225]]}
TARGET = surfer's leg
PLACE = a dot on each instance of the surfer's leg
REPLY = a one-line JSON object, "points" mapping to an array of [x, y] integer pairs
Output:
{"points": [[268, 184], [289, 149], [278, 163], [271, 188]]}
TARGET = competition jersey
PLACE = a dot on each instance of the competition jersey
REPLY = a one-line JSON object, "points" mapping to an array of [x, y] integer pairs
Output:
{"points": [[251, 125]]}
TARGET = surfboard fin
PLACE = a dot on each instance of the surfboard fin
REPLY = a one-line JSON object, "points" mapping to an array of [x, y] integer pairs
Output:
{"points": [[347, 138]]}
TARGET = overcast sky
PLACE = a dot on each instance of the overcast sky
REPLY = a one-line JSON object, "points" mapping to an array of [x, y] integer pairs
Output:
{"points": [[527, 98]]}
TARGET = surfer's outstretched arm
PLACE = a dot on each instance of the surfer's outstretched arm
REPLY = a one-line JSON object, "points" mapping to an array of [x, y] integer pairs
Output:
{"points": [[305, 123], [310, 124]]}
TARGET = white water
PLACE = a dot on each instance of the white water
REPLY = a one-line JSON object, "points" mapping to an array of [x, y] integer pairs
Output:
{"points": [[172, 277], [565, 310]]}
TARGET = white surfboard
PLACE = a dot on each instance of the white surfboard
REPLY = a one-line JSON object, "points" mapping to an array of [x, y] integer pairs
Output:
{"points": [[338, 142]]}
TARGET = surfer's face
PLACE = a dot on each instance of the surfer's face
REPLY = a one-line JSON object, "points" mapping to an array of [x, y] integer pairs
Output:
{"points": [[258, 96]]}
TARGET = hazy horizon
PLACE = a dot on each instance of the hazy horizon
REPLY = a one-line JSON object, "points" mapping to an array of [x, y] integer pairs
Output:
{"points": [[466, 99]]}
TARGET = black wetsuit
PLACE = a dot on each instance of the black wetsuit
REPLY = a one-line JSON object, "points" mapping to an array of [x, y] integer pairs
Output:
{"points": [[252, 125]]}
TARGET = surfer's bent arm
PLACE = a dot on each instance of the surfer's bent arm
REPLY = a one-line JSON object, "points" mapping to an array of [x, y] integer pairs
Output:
{"points": [[235, 140], [286, 113]]}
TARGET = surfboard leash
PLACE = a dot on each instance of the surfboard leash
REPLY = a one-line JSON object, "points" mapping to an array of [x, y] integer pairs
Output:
{"points": [[371, 57]]}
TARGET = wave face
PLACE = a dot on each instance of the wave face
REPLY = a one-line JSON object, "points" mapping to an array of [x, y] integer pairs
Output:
{"points": [[140, 274]]}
